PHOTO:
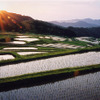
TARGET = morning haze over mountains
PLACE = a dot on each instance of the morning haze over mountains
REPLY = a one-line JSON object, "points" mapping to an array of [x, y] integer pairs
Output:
{"points": [[87, 22], [18, 23]]}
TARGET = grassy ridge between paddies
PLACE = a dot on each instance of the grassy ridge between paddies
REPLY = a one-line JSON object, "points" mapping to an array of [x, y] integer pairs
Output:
{"points": [[75, 42], [11, 53], [47, 76], [19, 58]]}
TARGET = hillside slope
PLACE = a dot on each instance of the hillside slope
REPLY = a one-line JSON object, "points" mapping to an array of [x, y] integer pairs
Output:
{"points": [[87, 32], [18, 23]]}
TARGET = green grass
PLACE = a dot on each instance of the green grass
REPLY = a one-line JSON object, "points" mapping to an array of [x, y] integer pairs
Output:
{"points": [[2, 37], [1, 47], [51, 52], [81, 70], [43, 41], [75, 42], [11, 53], [47, 55]]}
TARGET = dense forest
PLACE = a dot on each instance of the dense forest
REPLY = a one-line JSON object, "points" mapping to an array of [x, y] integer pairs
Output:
{"points": [[90, 32]]}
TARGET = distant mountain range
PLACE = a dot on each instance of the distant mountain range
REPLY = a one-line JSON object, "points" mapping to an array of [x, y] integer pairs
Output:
{"points": [[85, 23], [19, 23]]}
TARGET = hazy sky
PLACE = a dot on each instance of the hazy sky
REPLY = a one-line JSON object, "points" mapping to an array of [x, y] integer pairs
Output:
{"points": [[53, 9]]}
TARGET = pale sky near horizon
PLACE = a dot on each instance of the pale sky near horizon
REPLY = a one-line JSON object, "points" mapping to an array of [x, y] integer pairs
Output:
{"points": [[48, 10]]}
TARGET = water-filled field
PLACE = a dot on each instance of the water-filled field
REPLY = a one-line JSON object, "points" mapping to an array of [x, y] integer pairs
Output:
{"points": [[60, 45], [74, 60], [17, 42], [29, 53], [27, 39], [14, 48], [86, 87], [6, 57]]}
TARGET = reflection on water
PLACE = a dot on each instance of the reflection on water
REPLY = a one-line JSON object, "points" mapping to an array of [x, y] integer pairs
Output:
{"points": [[83, 59], [86, 87]]}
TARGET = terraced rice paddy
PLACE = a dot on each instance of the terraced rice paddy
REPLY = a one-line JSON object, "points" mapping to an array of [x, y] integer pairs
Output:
{"points": [[60, 45], [79, 88], [85, 87], [29, 53], [17, 42], [86, 39], [22, 36], [74, 60], [27, 39], [56, 38], [22, 40], [21, 48], [6, 57]]}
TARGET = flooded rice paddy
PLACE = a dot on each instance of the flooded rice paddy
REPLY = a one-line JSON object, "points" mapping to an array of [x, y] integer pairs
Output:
{"points": [[22, 36], [85, 87], [88, 39], [66, 61], [28, 53], [27, 39], [56, 38], [60, 45], [16, 48], [6, 57], [17, 42]]}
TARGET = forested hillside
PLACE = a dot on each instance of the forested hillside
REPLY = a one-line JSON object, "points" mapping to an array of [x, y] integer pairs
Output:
{"points": [[91, 32], [18, 23]]}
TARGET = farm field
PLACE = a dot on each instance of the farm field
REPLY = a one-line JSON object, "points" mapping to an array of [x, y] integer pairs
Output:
{"points": [[69, 89], [41, 53], [49, 50], [68, 61]]}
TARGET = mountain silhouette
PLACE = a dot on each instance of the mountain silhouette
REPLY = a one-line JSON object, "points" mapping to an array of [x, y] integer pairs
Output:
{"points": [[18, 23]]}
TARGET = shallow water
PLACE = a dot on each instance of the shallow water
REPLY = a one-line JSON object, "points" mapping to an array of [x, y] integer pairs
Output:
{"points": [[27, 39], [17, 42], [6, 57], [66, 61], [14, 48], [22, 36], [29, 53], [86, 87], [60, 45]]}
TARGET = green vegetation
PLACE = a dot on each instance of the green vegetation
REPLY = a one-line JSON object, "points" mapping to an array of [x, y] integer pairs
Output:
{"points": [[3, 37], [48, 55], [69, 71], [50, 52], [75, 42], [12, 53], [28, 24], [1, 47], [87, 32], [43, 41], [48, 41]]}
